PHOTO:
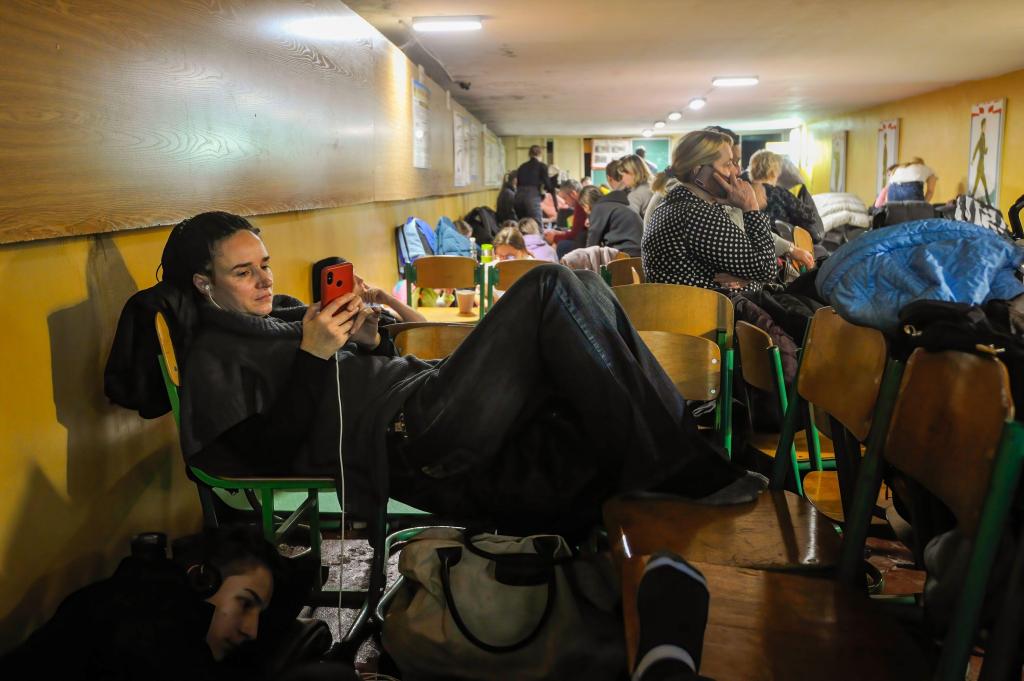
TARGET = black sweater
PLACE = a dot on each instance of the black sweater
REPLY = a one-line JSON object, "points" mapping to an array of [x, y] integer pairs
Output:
{"points": [[613, 223]]}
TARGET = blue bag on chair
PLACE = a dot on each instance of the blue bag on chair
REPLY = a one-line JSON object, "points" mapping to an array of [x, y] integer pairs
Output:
{"points": [[414, 239], [450, 241]]}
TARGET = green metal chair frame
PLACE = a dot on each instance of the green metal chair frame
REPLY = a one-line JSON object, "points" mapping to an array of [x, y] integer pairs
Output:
{"points": [[992, 516], [412, 277], [266, 505], [797, 410], [815, 460]]}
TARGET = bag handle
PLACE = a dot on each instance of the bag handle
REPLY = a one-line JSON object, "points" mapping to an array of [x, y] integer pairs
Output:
{"points": [[449, 557], [545, 547]]}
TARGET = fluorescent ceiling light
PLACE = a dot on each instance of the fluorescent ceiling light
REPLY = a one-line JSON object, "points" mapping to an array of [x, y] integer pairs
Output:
{"points": [[675, 116], [647, 132], [763, 126], [444, 24], [658, 125], [697, 103], [735, 81]]}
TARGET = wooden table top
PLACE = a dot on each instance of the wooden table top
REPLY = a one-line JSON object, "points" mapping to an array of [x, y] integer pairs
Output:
{"points": [[449, 314]]}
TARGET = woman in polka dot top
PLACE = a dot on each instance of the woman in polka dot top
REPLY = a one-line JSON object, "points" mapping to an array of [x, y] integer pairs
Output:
{"points": [[691, 238]]}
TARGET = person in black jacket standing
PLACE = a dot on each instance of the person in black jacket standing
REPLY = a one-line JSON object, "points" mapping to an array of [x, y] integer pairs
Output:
{"points": [[532, 180]]}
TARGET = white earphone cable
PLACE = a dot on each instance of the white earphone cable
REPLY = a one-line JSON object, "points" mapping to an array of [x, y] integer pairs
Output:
{"points": [[341, 494]]}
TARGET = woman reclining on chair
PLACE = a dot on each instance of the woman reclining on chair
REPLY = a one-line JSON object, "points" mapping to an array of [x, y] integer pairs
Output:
{"points": [[535, 440]]}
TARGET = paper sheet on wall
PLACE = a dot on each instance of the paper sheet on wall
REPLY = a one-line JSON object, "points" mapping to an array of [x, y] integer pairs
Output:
{"points": [[466, 138], [604, 151], [494, 159], [420, 125]]}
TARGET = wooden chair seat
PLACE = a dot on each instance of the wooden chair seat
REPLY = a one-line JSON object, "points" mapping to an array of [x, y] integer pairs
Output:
{"points": [[778, 531], [822, 490], [770, 626], [768, 444]]}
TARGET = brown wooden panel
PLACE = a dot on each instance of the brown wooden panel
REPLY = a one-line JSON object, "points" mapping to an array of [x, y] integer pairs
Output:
{"points": [[947, 425], [694, 364], [841, 370], [446, 271], [680, 309], [133, 113], [755, 361], [431, 342], [623, 269], [510, 271]]}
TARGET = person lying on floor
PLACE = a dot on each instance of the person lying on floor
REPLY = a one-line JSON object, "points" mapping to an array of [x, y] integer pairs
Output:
{"points": [[195, 617], [536, 441]]}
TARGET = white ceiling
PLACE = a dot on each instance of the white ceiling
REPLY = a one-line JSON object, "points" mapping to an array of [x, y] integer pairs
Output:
{"points": [[569, 67]]}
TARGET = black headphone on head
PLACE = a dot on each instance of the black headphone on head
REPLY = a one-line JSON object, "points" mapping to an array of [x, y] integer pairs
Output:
{"points": [[204, 579]]}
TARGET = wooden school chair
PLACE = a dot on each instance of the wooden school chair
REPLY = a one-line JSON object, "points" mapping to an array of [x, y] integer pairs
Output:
{"points": [[624, 271], [507, 273], [777, 531], [761, 367], [951, 429], [841, 373], [953, 433], [445, 271], [690, 311], [428, 340]]}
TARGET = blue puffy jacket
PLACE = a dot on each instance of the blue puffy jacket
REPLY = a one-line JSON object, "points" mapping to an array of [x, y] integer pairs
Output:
{"points": [[869, 280]]}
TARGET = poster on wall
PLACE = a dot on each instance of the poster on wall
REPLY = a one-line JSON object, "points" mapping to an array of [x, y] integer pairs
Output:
{"points": [[837, 174], [473, 145], [604, 151], [888, 149], [420, 125], [985, 151], [494, 159], [461, 129]]}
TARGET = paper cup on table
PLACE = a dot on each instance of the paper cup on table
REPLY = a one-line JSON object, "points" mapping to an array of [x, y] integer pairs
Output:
{"points": [[466, 298]]}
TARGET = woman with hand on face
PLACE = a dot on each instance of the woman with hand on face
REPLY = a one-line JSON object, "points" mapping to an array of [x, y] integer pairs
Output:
{"points": [[691, 238]]}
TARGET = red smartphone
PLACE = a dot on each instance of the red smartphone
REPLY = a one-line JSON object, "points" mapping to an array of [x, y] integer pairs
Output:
{"points": [[705, 179], [335, 281]]}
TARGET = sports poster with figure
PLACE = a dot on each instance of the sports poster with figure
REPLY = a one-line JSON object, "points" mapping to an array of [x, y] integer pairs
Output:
{"points": [[837, 171], [985, 151], [888, 149]]}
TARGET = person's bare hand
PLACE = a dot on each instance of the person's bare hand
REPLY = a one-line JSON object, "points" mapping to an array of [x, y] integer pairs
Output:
{"points": [[728, 281], [325, 330], [549, 236], [802, 257], [365, 331], [738, 192]]}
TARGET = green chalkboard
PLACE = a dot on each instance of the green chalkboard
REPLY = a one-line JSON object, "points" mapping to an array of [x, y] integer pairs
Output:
{"points": [[657, 150]]}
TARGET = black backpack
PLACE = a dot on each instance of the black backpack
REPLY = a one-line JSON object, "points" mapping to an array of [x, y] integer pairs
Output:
{"points": [[484, 222], [939, 325]]}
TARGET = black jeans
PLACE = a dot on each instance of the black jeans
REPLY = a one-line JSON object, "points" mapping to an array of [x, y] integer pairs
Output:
{"points": [[527, 204], [549, 407]]}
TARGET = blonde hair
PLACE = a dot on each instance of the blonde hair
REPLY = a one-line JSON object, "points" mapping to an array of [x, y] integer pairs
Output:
{"points": [[529, 226], [765, 164], [589, 196], [510, 236], [697, 148], [635, 166]]}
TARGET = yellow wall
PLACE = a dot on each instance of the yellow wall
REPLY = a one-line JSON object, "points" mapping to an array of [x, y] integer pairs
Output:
{"points": [[81, 476], [568, 152], [934, 126]]}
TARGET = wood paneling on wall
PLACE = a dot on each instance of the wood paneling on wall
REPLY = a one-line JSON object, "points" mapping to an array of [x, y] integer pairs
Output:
{"points": [[131, 113]]}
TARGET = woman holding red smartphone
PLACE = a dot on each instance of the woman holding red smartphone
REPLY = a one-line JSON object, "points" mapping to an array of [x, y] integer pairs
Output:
{"points": [[691, 238], [510, 429]]}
